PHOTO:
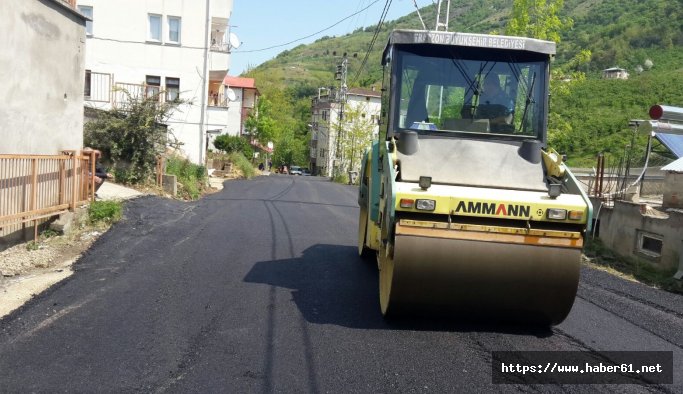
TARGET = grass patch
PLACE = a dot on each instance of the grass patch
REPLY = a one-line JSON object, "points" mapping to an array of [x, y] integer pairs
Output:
{"points": [[190, 176], [341, 178], [48, 233], [601, 257], [105, 212], [242, 163]]}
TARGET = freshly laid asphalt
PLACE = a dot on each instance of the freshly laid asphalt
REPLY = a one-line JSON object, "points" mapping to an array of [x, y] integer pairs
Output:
{"points": [[258, 288]]}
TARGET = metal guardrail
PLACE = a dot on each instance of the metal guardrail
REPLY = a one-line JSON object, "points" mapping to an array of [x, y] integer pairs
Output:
{"points": [[35, 187]]}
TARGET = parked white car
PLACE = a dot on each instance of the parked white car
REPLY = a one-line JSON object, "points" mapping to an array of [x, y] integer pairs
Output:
{"points": [[295, 170]]}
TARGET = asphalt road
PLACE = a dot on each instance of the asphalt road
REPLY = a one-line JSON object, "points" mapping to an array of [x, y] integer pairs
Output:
{"points": [[258, 288]]}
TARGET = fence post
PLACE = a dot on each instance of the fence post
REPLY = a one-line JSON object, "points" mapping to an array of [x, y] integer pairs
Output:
{"points": [[160, 171], [34, 194], [72, 208], [61, 181], [92, 176]]}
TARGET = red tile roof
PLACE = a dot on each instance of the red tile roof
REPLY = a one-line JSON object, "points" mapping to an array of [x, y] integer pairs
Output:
{"points": [[239, 82]]}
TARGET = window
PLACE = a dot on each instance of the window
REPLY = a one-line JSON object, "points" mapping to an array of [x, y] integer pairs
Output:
{"points": [[172, 89], [152, 84], [154, 27], [87, 11], [438, 91], [650, 244], [87, 86], [174, 29]]}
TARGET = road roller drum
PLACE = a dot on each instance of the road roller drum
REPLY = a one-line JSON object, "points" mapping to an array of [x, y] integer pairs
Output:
{"points": [[469, 279]]}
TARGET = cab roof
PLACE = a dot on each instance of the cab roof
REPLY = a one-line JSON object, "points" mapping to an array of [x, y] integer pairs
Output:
{"points": [[405, 36]]}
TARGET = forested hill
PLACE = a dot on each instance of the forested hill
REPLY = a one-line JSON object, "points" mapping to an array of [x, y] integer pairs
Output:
{"points": [[620, 33], [633, 34]]}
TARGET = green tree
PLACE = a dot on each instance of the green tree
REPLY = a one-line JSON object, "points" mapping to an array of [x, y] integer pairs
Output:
{"points": [[260, 124], [233, 143], [288, 150], [357, 134], [538, 19], [131, 136]]}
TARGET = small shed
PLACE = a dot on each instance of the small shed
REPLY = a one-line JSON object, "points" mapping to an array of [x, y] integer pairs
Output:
{"points": [[615, 73]]}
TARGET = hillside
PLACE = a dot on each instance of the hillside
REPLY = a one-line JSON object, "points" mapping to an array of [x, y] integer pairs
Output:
{"points": [[624, 33]]}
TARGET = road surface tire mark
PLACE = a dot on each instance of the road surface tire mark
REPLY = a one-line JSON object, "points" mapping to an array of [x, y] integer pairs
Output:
{"points": [[283, 192], [632, 321], [53, 318], [187, 363], [633, 298], [287, 231]]}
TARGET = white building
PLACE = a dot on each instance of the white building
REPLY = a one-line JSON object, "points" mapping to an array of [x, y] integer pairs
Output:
{"points": [[361, 112], [179, 47]]}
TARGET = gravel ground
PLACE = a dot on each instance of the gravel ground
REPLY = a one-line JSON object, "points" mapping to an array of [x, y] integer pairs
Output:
{"points": [[48, 252]]}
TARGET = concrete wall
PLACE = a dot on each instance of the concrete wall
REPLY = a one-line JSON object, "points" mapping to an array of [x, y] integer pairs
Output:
{"points": [[41, 66], [120, 45], [673, 190], [620, 227]]}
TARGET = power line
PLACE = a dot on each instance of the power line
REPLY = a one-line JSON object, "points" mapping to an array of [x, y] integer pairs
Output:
{"points": [[310, 35], [387, 4]]}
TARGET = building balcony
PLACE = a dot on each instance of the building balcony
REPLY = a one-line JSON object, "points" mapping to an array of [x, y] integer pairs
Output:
{"points": [[123, 92], [220, 35], [101, 88], [218, 100]]}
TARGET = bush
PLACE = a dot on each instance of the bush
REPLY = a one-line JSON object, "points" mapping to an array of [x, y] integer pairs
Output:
{"points": [[341, 178], [241, 162], [104, 211], [132, 135], [230, 144], [191, 176]]}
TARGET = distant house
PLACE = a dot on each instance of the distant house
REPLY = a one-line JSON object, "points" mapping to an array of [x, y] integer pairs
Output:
{"points": [[325, 123], [242, 104], [42, 64], [615, 73]]}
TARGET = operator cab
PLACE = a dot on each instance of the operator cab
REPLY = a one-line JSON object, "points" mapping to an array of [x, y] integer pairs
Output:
{"points": [[467, 85]]}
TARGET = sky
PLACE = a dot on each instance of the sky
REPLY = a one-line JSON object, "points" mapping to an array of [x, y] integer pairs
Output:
{"points": [[261, 24]]}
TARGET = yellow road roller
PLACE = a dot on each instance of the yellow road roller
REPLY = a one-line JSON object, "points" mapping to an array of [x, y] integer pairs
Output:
{"points": [[467, 210]]}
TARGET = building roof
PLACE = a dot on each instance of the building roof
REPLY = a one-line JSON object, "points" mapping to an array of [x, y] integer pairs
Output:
{"points": [[70, 6], [239, 82], [614, 69], [676, 166], [364, 92]]}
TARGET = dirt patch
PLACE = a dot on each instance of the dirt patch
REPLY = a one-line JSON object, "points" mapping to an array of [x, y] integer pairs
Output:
{"points": [[29, 268]]}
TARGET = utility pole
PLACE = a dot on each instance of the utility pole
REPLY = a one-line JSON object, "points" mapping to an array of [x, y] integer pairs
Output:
{"points": [[340, 75], [439, 24]]}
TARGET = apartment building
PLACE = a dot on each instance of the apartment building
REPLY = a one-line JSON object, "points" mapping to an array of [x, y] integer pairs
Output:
{"points": [[167, 49], [358, 126]]}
